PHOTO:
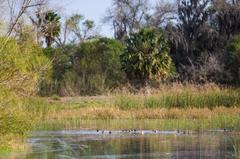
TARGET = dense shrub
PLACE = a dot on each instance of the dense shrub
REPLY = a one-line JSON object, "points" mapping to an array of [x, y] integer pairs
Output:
{"points": [[60, 63], [22, 66], [88, 68], [97, 63], [13, 118], [146, 56]]}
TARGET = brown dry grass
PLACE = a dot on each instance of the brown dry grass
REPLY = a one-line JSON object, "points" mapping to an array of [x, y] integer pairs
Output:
{"points": [[116, 113]]}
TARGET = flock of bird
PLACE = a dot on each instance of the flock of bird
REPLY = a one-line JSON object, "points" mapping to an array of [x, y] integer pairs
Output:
{"points": [[135, 131]]}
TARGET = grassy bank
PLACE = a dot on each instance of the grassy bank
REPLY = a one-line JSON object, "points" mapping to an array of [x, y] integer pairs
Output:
{"points": [[133, 114], [165, 97], [183, 107], [167, 108], [161, 119]]}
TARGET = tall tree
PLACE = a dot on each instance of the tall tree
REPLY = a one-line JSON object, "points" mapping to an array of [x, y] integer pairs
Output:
{"points": [[227, 17], [193, 15], [79, 28], [127, 16], [51, 27], [164, 13], [194, 38]]}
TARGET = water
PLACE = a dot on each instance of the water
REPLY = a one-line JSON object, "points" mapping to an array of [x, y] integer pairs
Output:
{"points": [[94, 144]]}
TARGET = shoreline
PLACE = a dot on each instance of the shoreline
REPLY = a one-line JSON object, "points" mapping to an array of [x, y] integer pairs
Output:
{"points": [[175, 108]]}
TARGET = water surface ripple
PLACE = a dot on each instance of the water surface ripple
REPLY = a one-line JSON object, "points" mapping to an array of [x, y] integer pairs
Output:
{"points": [[132, 144]]}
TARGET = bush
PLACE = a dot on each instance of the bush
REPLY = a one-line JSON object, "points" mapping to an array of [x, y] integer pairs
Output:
{"points": [[92, 67], [15, 121], [98, 65], [55, 97], [22, 65], [146, 56]]}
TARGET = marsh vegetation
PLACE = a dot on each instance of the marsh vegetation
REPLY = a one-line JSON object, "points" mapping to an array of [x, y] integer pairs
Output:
{"points": [[175, 67]]}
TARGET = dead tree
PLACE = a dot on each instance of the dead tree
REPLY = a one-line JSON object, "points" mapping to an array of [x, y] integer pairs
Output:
{"points": [[127, 16], [17, 9]]}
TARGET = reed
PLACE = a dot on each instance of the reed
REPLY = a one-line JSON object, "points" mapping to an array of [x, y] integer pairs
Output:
{"points": [[194, 107], [142, 124], [183, 99], [167, 108], [167, 97]]}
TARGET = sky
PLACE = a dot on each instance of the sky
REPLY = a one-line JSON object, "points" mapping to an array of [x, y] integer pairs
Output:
{"points": [[92, 9]]}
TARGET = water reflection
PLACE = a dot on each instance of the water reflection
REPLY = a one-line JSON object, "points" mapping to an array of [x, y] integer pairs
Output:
{"points": [[119, 145]]}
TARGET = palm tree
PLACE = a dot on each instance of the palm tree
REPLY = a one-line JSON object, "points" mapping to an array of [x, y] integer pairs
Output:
{"points": [[51, 27]]}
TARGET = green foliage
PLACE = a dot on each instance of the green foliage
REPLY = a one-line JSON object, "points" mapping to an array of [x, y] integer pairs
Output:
{"points": [[100, 56], [22, 65], [55, 97], [89, 24], [60, 62], [79, 27], [97, 65], [13, 119], [233, 58], [73, 21], [51, 27], [88, 68], [15, 122], [146, 56]]}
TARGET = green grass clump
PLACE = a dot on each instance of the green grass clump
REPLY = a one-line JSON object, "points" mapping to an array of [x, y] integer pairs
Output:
{"points": [[182, 99], [128, 102], [55, 97]]}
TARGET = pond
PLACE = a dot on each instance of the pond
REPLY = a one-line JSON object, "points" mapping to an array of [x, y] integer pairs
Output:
{"points": [[133, 144]]}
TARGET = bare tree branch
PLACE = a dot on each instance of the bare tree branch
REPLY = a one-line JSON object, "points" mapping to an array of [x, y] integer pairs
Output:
{"points": [[23, 8], [127, 16], [164, 13]]}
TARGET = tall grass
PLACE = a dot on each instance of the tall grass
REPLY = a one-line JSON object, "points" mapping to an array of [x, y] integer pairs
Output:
{"points": [[170, 97], [184, 98], [188, 107], [220, 122]]}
